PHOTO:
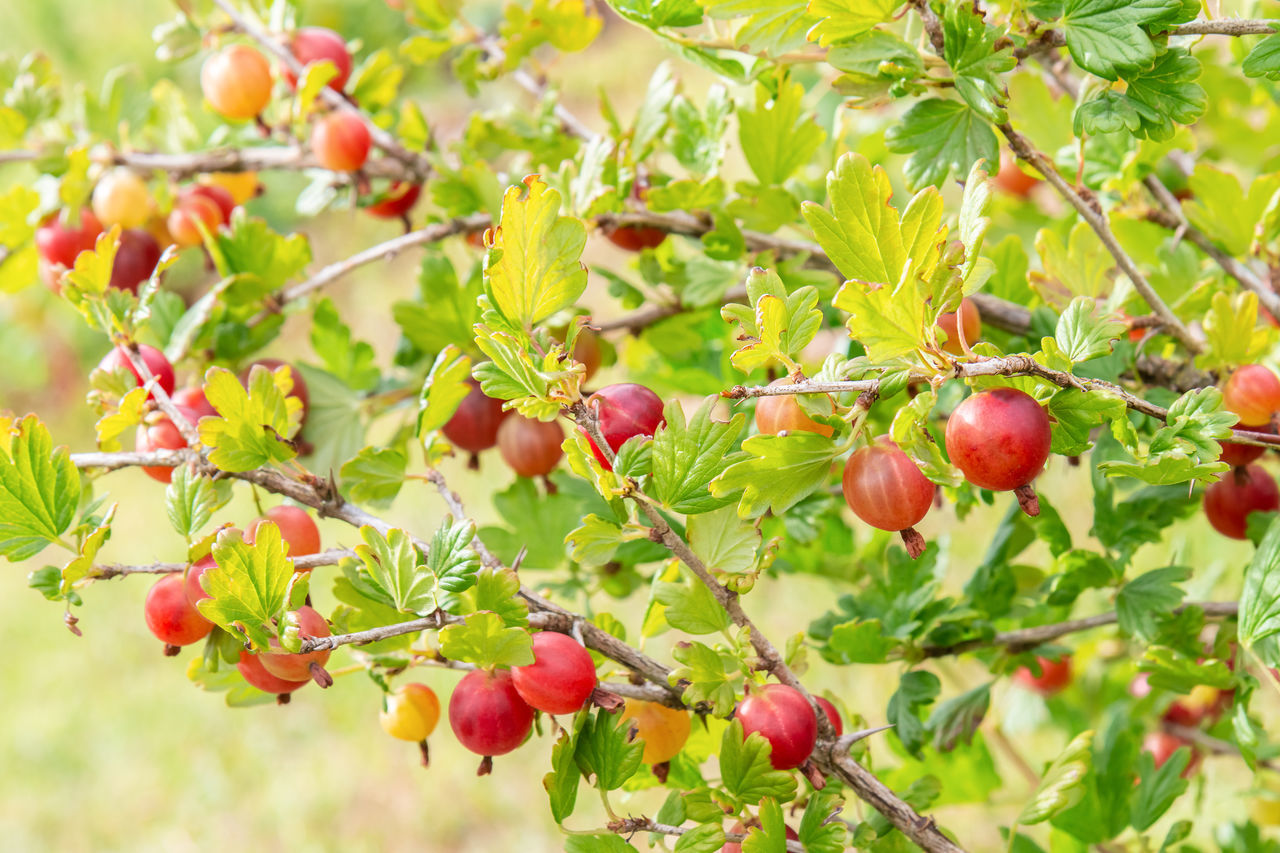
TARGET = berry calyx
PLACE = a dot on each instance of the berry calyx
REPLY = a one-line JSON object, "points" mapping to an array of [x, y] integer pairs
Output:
{"points": [[172, 618], [121, 198], [784, 717], [155, 361], [236, 82], [1253, 393], [530, 447], [636, 238], [624, 411], [297, 530], [487, 714], [967, 319], [251, 669], [1000, 439], [885, 489], [302, 665], [136, 259], [396, 202], [783, 413], [412, 712], [663, 730], [1240, 491], [474, 426], [162, 435], [341, 142], [561, 677], [314, 44], [1054, 675]]}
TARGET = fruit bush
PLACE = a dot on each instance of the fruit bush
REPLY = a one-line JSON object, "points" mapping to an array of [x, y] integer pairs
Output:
{"points": [[838, 275]]}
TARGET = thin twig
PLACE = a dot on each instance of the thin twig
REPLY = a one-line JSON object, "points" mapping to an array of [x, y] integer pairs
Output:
{"points": [[116, 570]]}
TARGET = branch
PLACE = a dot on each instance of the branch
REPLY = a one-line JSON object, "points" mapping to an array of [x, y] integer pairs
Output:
{"points": [[1028, 638], [1213, 745], [920, 829], [932, 25], [116, 570], [1098, 222], [1050, 39]]}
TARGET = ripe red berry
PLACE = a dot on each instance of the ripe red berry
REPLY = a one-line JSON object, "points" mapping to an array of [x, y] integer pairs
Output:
{"points": [[58, 243], [487, 714], [561, 677], [740, 828], [784, 717], [885, 489], [624, 411], [251, 669], [397, 201], [218, 195], [783, 413], [1000, 440], [314, 44], [297, 529], [191, 584], [300, 389], [1202, 701], [171, 617], [832, 714], [297, 667], [1054, 675], [530, 447], [193, 398], [341, 141], [971, 323], [190, 211], [237, 82], [635, 238], [162, 435], [474, 426], [1240, 455], [1228, 502], [1253, 393], [1012, 179], [155, 361], [136, 259]]}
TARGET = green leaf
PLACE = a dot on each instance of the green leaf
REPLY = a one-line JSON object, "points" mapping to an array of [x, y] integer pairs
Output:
{"points": [[1147, 597], [861, 235], [250, 584], [562, 782], [746, 771], [703, 838], [495, 590], [252, 427], [820, 831], [1264, 59], [445, 388], [596, 541], [605, 750], [782, 471], [533, 270], [858, 641], [941, 137], [190, 500], [691, 607], [1106, 37], [1158, 787], [1083, 335], [1063, 783], [374, 476], [447, 309], [959, 717], [1168, 94], [916, 690], [81, 567], [486, 641], [394, 567], [452, 560], [1260, 599], [779, 326], [771, 835], [1077, 413], [1222, 210], [1081, 267], [261, 260], [845, 19], [1230, 330], [777, 137], [605, 842], [712, 676], [352, 362], [970, 50], [39, 489], [1167, 669], [723, 541]]}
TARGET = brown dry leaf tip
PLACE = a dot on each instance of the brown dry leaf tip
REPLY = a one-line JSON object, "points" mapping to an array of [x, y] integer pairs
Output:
{"points": [[1027, 499], [602, 698], [913, 541], [320, 675], [486, 766]]}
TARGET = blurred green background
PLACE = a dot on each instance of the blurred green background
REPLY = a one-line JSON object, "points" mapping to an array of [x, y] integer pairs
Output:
{"points": [[107, 746]]}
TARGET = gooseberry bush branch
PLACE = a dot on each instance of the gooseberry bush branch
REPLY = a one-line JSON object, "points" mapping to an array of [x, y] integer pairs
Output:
{"points": [[688, 335]]}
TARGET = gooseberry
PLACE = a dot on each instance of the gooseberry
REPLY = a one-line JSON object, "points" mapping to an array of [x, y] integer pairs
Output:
{"points": [[624, 411], [121, 198], [412, 712], [1054, 675], [530, 447], [1253, 393], [561, 677], [251, 669], [155, 361], [832, 714], [784, 717], [663, 730], [970, 323], [1000, 439], [172, 618], [297, 529], [136, 259], [487, 714], [1241, 491], [636, 238], [237, 82], [341, 141], [163, 435], [885, 489], [474, 426], [783, 413], [314, 44], [299, 666], [396, 202]]}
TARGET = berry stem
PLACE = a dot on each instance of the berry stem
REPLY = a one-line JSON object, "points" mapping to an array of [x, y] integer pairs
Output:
{"points": [[1027, 499]]}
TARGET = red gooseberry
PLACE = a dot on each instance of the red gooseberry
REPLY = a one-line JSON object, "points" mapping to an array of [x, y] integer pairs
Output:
{"points": [[163, 435], [782, 413], [136, 259], [155, 361], [341, 141], [251, 669], [832, 714], [59, 243], [1241, 491], [315, 44], [1162, 745], [487, 714], [190, 212], [192, 586], [1253, 394], [172, 618], [885, 489], [636, 238], [624, 411], [970, 324], [396, 202], [236, 82], [561, 677], [297, 529], [530, 447], [474, 426], [1054, 675], [1012, 179], [193, 398], [1202, 701], [784, 717], [1000, 439], [299, 666]]}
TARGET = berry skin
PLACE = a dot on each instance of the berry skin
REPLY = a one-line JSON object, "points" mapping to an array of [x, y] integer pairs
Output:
{"points": [[136, 259], [586, 350], [1000, 439], [194, 399], [783, 413], [59, 243], [624, 411], [237, 82], [561, 677], [1163, 745], [1012, 179], [121, 198], [297, 529], [191, 585], [218, 195], [314, 44], [1240, 455], [1054, 676], [784, 717], [1253, 393], [171, 617], [971, 320], [742, 829], [190, 209], [1228, 502], [487, 715], [297, 667], [299, 390], [341, 142], [663, 730], [1189, 710], [832, 714], [885, 489], [412, 712], [155, 361], [251, 669], [396, 202], [162, 435], [636, 238], [474, 426], [530, 447]]}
